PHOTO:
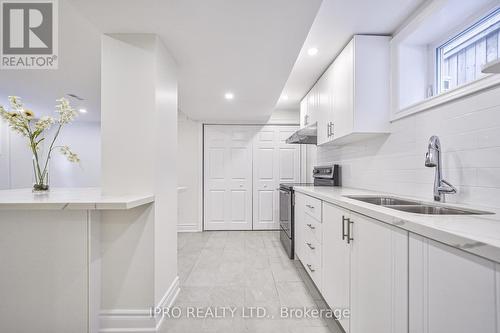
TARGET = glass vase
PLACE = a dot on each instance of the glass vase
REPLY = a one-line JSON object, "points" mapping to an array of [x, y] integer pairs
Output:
{"points": [[40, 176]]}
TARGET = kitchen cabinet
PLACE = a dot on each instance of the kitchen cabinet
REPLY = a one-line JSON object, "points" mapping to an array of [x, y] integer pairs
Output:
{"points": [[379, 275], [299, 226], [310, 107], [351, 99], [308, 235], [336, 260], [303, 113], [394, 281], [364, 270], [325, 105], [451, 290]]}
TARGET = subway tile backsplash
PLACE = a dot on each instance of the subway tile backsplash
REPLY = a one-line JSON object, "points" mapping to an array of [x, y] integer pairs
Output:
{"points": [[469, 130]]}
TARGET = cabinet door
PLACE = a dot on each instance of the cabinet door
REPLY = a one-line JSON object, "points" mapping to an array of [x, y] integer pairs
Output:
{"points": [[379, 275], [336, 261], [325, 109], [312, 105], [303, 112], [451, 290], [299, 226], [343, 91]]}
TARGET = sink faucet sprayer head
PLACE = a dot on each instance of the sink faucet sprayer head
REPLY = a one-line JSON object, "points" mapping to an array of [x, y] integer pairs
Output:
{"points": [[432, 156]]}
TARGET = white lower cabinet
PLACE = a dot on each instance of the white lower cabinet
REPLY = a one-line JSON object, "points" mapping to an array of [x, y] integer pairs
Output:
{"points": [[379, 275], [336, 260], [299, 227], [308, 235], [365, 270], [393, 281], [451, 290]]}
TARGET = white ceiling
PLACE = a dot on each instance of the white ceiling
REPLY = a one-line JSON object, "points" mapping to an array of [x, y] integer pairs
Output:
{"points": [[337, 21], [246, 47]]}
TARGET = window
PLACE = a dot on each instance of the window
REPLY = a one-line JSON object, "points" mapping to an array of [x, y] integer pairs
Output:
{"points": [[459, 60]]}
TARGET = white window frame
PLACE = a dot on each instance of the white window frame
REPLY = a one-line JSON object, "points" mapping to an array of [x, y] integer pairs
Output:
{"points": [[455, 38], [476, 86]]}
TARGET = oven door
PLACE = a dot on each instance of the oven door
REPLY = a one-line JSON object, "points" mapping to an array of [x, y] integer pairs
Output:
{"points": [[286, 211]]}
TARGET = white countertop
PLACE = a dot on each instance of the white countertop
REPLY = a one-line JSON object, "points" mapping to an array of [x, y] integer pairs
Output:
{"points": [[70, 199], [477, 234]]}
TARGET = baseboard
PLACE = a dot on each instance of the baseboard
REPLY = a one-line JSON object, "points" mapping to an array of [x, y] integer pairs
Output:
{"points": [[137, 320], [188, 227]]}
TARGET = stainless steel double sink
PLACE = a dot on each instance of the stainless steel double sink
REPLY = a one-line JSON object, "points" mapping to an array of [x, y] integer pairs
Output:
{"points": [[417, 207]]}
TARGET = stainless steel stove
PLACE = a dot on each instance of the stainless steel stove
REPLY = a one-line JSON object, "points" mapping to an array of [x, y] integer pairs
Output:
{"points": [[323, 176]]}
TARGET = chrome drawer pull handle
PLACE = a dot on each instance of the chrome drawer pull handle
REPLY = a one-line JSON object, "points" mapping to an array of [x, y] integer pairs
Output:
{"points": [[310, 246], [311, 226], [310, 268]]}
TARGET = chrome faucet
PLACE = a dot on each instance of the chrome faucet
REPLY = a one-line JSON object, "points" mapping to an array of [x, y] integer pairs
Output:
{"points": [[433, 160]]}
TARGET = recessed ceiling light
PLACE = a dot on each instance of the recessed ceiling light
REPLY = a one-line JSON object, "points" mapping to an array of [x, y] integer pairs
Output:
{"points": [[284, 97], [312, 51], [229, 95], [82, 110]]}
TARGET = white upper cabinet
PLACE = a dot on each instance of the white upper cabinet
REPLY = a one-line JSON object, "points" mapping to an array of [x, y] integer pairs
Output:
{"points": [[303, 112], [351, 100]]}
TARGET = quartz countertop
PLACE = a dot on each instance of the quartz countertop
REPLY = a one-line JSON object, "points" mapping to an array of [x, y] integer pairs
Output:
{"points": [[477, 234], [70, 199]]}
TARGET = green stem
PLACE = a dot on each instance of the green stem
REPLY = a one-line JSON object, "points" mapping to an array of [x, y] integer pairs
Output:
{"points": [[38, 171], [50, 150]]}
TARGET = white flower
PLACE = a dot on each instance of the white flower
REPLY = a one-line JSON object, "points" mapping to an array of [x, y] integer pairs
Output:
{"points": [[66, 113], [17, 121], [72, 157], [44, 123], [16, 103]]}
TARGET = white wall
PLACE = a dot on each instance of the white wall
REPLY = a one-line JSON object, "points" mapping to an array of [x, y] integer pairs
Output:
{"points": [[469, 130], [84, 139], [139, 149], [189, 171]]}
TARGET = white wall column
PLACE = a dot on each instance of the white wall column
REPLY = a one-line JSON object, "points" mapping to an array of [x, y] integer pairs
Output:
{"points": [[139, 148]]}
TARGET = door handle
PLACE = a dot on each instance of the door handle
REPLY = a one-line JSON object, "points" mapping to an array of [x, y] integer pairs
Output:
{"points": [[349, 230], [344, 220], [310, 268], [310, 207], [311, 226], [310, 246]]}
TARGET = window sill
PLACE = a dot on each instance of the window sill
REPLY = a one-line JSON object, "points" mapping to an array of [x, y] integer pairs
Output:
{"points": [[449, 96]]}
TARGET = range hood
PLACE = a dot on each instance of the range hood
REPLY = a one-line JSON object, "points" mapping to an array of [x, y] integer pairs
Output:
{"points": [[307, 135]]}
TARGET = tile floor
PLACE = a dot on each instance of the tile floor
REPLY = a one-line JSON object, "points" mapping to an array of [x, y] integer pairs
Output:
{"points": [[240, 270]]}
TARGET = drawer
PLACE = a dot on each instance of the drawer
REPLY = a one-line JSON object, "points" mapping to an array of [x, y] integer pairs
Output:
{"points": [[313, 207], [313, 226], [313, 248], [315, 274], [312, 263]]}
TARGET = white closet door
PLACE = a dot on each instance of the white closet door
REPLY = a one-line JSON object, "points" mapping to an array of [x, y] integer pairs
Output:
{"points": [[274, 162], [228, 177]]}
